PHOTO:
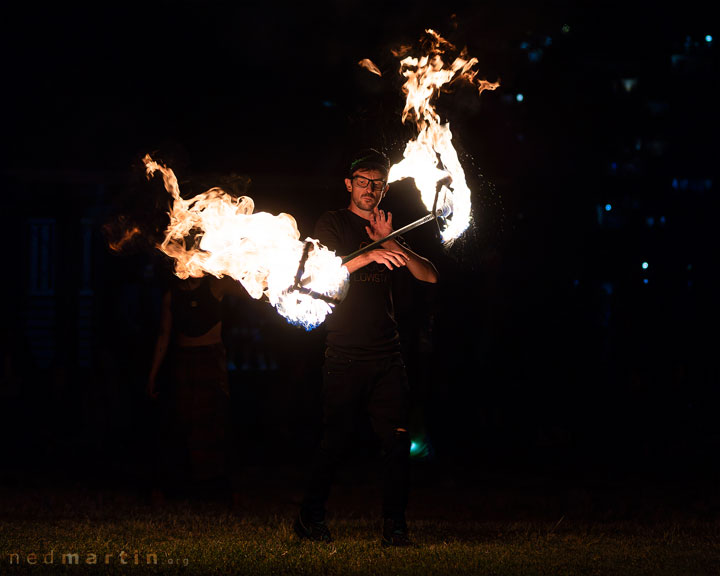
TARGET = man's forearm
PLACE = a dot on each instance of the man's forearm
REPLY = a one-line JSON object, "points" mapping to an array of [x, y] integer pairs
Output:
{"points": [[358, 262], [421, 268]]}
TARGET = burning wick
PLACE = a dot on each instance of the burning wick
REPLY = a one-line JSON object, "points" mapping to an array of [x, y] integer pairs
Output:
{"points": [[215, 233], [430, 159]]}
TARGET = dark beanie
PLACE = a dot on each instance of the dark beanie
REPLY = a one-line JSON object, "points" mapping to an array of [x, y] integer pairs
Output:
{"points": [[369, 158]]}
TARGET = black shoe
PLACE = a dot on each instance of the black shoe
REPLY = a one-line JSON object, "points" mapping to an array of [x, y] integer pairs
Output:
{"points": [[395, 534], [315, 531]]}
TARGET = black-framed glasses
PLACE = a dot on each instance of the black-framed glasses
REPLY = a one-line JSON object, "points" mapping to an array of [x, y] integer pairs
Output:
{"points": [[363, 182]]}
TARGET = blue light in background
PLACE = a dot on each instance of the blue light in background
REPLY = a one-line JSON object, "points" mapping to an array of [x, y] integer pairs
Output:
{"points": [[608, 207], [645, 265], [519, 97], [629, 84], [535, 55]]}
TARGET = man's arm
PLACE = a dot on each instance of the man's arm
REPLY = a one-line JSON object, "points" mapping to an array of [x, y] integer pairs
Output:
{"points": [[419, 266], [326, 232], [390, 258]]}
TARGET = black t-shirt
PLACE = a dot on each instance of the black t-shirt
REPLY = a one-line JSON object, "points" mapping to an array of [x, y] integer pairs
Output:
{"points": [[363, 325], [195, 311]]}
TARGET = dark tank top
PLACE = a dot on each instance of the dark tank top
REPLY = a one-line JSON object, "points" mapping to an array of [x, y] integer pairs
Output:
{"points": [[195, 311]]}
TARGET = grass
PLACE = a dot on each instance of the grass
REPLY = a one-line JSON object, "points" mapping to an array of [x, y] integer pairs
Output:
{"points": [[209, 537]]}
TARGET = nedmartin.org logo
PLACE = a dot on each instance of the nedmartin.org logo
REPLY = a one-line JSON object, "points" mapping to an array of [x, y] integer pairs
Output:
{"points": [[73, 558]]}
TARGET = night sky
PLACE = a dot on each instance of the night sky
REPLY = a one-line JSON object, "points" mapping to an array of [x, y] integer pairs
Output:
{"points": [[547, 341], [247, 87]]}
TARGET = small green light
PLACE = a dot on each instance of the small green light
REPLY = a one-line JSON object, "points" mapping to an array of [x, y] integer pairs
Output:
{"points": [[419, 450]]}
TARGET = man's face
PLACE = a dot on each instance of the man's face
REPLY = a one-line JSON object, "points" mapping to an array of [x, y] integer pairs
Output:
{"points": [[367, 187]]}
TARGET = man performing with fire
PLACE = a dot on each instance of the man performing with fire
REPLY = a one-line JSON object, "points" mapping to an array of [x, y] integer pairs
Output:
{"points": [[363, 364]]}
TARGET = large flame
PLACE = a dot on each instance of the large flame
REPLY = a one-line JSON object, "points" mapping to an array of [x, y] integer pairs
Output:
{"points": [[430, 159], [215, 233]]}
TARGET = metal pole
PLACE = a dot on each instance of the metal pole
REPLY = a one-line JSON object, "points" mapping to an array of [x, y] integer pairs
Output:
{"points": [[299, 284], [420, 222]]}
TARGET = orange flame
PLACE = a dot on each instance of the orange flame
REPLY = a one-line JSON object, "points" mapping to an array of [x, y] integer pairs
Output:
{"points": [[128, 235], [369, 65], [120, 233], [215, 233], [430, 159]]}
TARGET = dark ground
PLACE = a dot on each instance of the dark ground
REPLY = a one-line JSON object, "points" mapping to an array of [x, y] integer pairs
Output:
{"points": [[448, 495]]}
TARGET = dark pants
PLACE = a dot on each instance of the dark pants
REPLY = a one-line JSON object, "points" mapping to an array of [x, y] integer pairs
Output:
{"points": [[195, 434], [380, 388]]}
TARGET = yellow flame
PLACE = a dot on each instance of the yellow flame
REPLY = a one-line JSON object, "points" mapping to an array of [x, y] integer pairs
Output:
{"points": [[215, 233], [431, 159]]}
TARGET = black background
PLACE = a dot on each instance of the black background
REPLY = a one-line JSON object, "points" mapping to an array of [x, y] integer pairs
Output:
{"points": [[540, 352]]}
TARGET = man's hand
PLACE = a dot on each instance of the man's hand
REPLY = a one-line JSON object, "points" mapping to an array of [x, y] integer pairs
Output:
{"points": [[390, 258], [380, 225]]}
